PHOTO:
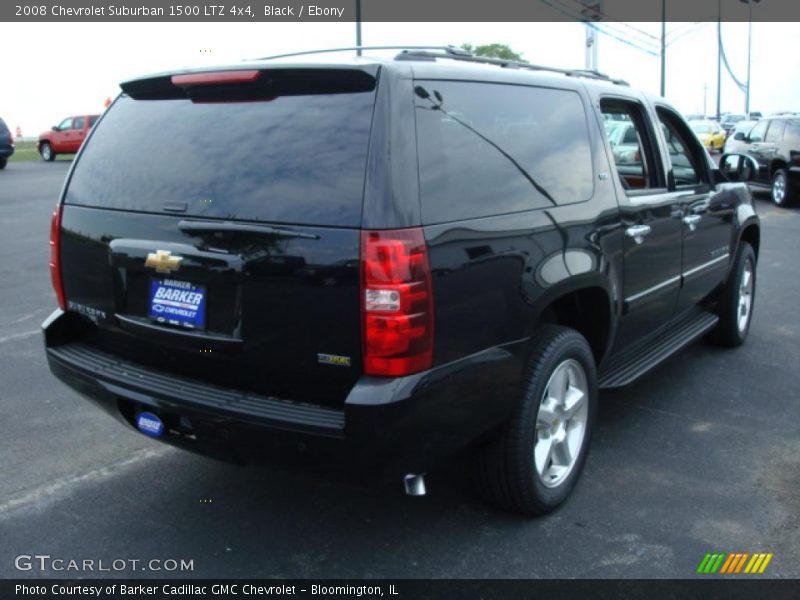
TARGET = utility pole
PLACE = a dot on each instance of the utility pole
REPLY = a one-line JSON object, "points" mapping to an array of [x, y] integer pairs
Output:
{"points": [[358, 27], [592, 11], [663, 48], [591, 48], [749, 47], [719, 57], [705, 104]]}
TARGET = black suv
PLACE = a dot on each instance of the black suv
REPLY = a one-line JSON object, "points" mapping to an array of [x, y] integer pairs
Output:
{"points": [[377, 264], [775, 143], [6, 144]]}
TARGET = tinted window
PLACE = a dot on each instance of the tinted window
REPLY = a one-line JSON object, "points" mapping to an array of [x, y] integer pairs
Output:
{"points": [[757, 133], [792, 136], [635, 166], [92, 121], [295, 159], [488, 149], [775, 131], [684, 152], [3, 129]]}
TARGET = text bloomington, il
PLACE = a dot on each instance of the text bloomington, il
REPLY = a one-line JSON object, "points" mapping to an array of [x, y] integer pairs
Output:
{"points": [[187, 589], [299, 11]]}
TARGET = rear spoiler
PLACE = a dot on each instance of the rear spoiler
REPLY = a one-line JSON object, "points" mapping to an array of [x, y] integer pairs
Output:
{"points": [[250, 84]]}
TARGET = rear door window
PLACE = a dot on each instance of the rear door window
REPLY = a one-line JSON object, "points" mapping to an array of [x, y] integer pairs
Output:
{"points": [[488, 149], [630, 139], [792, 135], [290, 159], [775, 131]]}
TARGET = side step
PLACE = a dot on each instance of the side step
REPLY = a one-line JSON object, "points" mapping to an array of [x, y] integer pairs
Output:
{"points": [[633, 362]]}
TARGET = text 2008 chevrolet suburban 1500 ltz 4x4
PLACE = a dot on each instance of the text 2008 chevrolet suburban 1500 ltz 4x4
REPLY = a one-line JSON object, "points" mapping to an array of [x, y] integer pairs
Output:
{"points": [[384, 263]]}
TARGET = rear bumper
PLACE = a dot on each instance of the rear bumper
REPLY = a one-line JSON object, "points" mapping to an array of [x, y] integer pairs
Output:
{"points": [[393, 426], [6, 151]]}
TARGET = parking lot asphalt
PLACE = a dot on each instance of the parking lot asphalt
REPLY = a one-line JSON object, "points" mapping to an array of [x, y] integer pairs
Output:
{"points": [[702, 455]]}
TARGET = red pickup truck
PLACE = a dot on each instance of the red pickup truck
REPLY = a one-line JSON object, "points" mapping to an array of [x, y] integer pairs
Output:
{"points": [[65, 138]]}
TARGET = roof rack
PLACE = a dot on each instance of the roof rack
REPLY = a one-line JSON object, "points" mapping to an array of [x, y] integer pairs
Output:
{"points": [[411, 54], [448, 50], [459, 54]]}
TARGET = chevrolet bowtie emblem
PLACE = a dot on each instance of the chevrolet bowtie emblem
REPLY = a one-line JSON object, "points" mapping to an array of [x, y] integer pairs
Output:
{"points": [[163, 261]]}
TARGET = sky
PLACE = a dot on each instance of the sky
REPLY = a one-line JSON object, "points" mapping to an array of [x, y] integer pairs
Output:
{"points": [[44, 80]]}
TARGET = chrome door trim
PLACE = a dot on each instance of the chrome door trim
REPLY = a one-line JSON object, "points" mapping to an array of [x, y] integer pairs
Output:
{"points": [[655, 288], [710, 263]]}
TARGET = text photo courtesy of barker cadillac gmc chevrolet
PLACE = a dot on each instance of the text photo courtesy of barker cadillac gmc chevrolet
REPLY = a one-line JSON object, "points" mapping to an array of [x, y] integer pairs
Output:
{"points": [[384, 263]]}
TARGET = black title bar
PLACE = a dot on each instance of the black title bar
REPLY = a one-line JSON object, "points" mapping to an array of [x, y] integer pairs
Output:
{"points": [[399, 589], [395, 10]]}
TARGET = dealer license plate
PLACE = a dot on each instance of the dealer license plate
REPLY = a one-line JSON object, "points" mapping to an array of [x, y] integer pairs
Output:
{"points": [[178, 303]]}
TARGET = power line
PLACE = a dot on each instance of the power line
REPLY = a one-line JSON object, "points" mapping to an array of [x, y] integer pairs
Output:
{"points": [[615, 35], [742, 86], [603, 16]]}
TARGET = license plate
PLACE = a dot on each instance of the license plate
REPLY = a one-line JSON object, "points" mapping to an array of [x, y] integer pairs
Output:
{"points": [[178, 303]]}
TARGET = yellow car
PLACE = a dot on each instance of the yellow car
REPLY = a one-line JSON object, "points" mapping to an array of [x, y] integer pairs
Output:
{"points": [[710, 134]]}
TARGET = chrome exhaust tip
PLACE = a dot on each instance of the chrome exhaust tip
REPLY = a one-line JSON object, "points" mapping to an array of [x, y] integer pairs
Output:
{"points": [[414, 484]]}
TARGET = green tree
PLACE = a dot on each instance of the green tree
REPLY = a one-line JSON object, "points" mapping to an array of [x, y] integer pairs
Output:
{"points": [[502, 51]]}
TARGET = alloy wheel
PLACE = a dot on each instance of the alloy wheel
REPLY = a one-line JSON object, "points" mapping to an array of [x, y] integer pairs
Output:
{"points": [[561, 423], [745, 296]]}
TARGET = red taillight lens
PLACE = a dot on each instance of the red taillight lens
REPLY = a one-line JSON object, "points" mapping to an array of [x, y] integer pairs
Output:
{"points": [[55, 257], [215, 78], [396, 302]]}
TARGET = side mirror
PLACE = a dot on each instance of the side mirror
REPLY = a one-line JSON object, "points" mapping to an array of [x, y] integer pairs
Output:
{"points": [[739, 136], [738, 167], [55, 128]]}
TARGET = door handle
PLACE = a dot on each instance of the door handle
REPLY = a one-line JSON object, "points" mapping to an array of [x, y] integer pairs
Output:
{"points": [[692, 221], [637, 232]]}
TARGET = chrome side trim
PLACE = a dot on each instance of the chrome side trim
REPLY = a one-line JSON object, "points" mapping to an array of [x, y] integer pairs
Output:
{"points": [[710, 263], [655, 288]]}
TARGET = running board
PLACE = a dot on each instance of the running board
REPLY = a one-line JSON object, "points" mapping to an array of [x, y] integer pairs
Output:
{"points": [[637, 360]]}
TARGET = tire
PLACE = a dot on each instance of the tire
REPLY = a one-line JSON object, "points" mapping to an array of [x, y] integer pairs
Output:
{"points": [[515, 471], [737, 301], [782, 192], [47, 152], [3, 162]]}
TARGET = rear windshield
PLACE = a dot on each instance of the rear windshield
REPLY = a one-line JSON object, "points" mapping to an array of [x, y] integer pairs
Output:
{"points": [[291, 159], [3, 128]]}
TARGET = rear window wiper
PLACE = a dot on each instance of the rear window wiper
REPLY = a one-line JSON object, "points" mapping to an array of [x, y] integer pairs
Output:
{"points": [[229, 226]]}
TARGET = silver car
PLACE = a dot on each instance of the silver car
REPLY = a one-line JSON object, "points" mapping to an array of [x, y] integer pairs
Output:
{"points": [[734, 145]]}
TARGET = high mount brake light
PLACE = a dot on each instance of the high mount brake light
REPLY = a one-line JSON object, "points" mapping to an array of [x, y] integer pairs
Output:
{"points": [[215, 78], [396, 302], [55, 257]]}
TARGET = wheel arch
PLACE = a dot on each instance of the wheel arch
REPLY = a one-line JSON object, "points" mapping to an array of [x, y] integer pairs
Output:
{"points": [[586, 306], [776, 164], [750, 233]]}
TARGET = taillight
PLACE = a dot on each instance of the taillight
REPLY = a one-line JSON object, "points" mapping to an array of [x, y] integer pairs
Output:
{"points": [[215, 78], [396, 302], [10, 139], [55, 257]]}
